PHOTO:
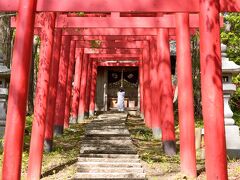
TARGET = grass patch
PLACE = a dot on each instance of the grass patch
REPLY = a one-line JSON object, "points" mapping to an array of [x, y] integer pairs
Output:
{"points": [[151, 152], [236, 117], [57, 164]]}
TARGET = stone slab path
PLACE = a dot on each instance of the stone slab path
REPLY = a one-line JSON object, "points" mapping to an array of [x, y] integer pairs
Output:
{"points": [[107, 151]]}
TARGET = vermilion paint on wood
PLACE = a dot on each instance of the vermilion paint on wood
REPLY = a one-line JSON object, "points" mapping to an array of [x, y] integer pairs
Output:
{"points": [[76, 84], [211, 90], [52, 94], [165, 91], [93, 89], [185, 97], [191, 6], [62, 85], [18, 90], [69, 83], [41, 97], [83, 86]]}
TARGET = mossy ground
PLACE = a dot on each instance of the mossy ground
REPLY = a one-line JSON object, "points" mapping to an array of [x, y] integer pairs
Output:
{"points": [[159, 166], [60, 164]]}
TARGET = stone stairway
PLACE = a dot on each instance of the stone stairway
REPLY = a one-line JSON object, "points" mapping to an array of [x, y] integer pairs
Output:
{"points": [[107, 151]]}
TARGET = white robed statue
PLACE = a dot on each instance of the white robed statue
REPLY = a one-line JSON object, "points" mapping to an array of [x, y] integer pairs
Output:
{"points": [[120, 100]]}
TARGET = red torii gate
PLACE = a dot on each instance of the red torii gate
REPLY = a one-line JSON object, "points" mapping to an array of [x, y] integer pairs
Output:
{"points": [[169, 129], [209, 14], [189, 6], [63, 21]]}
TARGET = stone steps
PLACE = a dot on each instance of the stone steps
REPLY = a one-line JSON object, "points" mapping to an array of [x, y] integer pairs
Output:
{"points": [[89, 159], [110, 151], [108, 131], [108, 146], [127, 156], [110, 169], [105, 138], [107, 151], [110, 175], [110, 141], [93, 165]]}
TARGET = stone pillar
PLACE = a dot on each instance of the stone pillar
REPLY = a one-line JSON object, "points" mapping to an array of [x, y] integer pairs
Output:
{"points": [[229, 68], [4, 73], [185, 96], [3, 110], [211, 89]]}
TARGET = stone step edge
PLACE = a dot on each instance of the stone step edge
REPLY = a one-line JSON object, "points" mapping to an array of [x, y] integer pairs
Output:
{"points": [[84, 159], [110, 170], [110, 175], [110, 155]]}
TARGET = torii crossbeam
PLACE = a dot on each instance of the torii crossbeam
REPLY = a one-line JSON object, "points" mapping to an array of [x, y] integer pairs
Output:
{"points": [[210, 66]]}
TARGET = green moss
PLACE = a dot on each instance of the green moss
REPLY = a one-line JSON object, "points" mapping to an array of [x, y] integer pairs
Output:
{"points": [[61, 159], [236, 117]]}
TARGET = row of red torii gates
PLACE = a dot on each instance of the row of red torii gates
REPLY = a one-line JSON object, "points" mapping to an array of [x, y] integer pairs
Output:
{"points": [[136, 30]]}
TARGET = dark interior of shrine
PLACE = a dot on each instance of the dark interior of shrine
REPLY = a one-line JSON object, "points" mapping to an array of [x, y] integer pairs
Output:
{"points": [[128, 78], [110, 79]]}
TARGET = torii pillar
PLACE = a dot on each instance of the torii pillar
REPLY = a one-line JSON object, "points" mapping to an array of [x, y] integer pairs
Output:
{"points": [[40, 104], [146, 85], [76, 85], [52, 94], [93, 89], [185, 96], [166, 95], [83, 86], [155, 73], [62, 84], [18, 90], [211, 89], [141, 86], [69, 83], [89, 81]]}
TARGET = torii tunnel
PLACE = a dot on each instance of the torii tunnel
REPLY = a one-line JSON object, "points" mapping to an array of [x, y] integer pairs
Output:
{"points": [[132, 33]]}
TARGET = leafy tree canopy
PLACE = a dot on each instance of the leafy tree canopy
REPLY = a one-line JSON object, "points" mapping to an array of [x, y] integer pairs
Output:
{"points": [[231, 37]]}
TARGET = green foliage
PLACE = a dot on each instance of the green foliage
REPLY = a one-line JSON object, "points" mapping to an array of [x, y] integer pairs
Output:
{"points": [[196, 75], [64, 154], [95, 43], [80, 14], [231, 38], [6, 37], [37, 42], [236, 117]]}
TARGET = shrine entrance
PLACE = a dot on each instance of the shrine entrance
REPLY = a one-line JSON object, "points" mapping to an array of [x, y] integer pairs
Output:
{"points": [[154, 20], [126, 77], [109, 80]]}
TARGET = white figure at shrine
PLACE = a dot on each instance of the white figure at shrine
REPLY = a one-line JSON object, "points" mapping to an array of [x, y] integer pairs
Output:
{"points": [[120, 100]]}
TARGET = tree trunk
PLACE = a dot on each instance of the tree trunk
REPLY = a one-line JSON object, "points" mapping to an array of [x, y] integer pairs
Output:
{"points": [[32, 81], [6, 35]]}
